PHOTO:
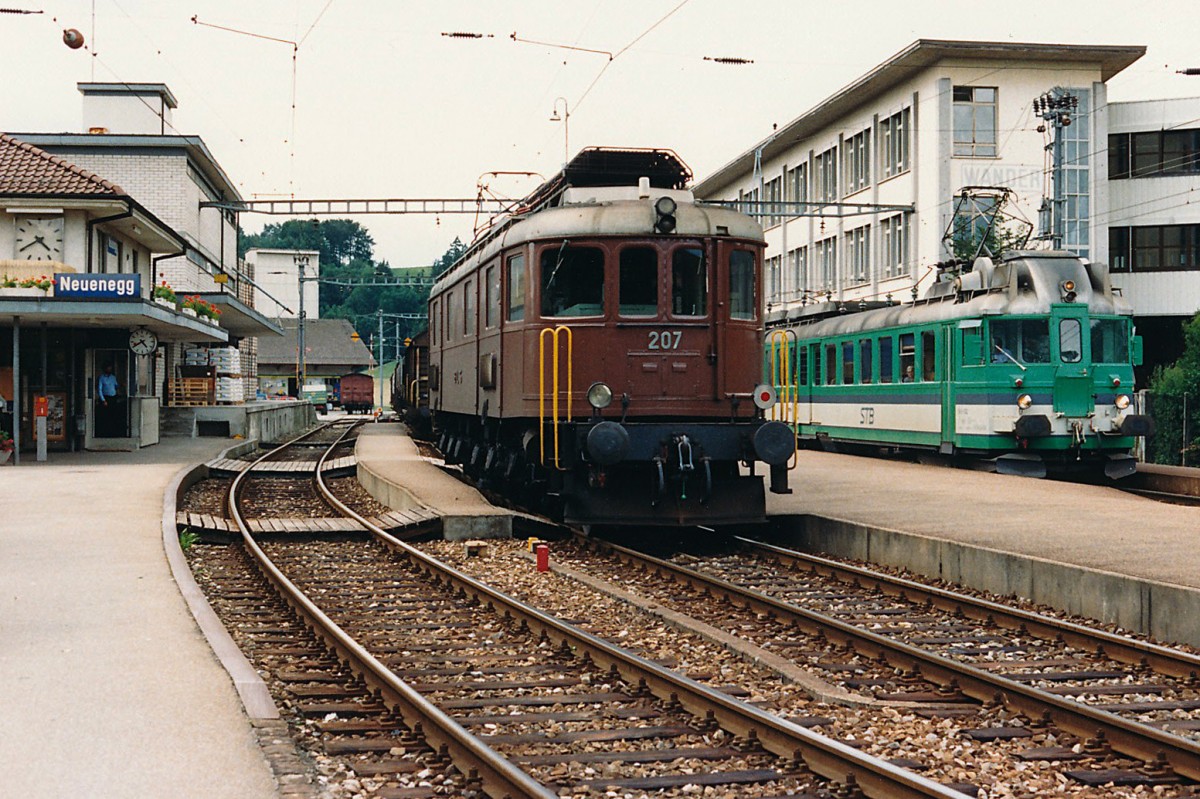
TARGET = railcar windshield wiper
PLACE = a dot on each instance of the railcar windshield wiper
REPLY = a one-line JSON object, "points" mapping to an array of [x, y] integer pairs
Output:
{"points": [[1009, 355]]}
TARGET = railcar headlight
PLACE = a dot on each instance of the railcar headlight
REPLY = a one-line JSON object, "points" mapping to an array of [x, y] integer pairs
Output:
{"points": [[1122, 401], [1024, 401], [599, 396]]}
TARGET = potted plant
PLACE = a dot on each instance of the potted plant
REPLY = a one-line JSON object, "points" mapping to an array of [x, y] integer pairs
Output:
{"points": [[210, 312], [37, 287], [164, 295], [191, 305], [6, 446]]}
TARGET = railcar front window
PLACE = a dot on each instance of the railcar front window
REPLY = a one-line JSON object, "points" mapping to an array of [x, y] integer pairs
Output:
{"points": [[1110, 341], [742, 303], [1035, 340], [1020, 340], [1070, 340], [572, 281], [689, 282], [638, 291]]}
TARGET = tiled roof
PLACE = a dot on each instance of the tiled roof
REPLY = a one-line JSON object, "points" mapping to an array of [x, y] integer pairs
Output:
{"points": [[327, 341], [25, 169]]}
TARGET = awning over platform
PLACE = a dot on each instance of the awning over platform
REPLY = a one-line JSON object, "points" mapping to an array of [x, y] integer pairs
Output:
{"points": [[168, 325], [240, 319]]}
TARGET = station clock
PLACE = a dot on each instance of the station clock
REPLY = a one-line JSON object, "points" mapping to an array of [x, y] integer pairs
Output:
{"points": [[143, 341], [39, 238]]}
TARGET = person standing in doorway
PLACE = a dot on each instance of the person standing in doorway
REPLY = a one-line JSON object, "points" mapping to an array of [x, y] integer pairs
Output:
{"points": [[106, 396]]}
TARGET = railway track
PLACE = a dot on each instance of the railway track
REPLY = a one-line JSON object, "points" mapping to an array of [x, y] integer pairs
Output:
{"points": [[1112, 694], [522, 703]]}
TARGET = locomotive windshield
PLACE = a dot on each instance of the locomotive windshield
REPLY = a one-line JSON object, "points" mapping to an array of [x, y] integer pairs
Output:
{"points": [[572, 281], [689, 282], [639, 282], [1020, 340], [741, 285], [1110, 341]]}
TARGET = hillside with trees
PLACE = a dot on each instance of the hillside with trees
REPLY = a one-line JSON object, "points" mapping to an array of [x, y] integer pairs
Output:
{"points": [[347, 251]]}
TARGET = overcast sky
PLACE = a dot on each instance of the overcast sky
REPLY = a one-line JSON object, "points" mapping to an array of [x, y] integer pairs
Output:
{"points": [[388, 107]]}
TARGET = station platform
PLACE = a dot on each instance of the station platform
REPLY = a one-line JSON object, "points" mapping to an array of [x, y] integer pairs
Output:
{"points": [[109, 687], [392, 470], [1092, 550]]}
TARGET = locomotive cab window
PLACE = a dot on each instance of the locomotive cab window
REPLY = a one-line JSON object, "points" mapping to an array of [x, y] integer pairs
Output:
{"points": [[886, 375], [742, 297], [492, 298], [1070, 340], [516, 288], [638, 289], [689, 282], [1020, 340], [572, 281], [1110, 341]]}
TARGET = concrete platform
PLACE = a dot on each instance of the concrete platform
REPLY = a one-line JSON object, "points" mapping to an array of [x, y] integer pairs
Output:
{"points": [[264, 421], [393, 471], [109, 689], [1092, 550]]}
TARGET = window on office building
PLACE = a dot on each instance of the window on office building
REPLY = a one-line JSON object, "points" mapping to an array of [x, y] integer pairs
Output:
{"points": [[975, 121], [799, 269], [858, 161], [825, 265], [1160, 152], [774, 276], [1153, 248], [893, 144], [1077, 177], [858, 255], [796, 184], [894, 232], [746, 200], [773, 193], [825, 167]]}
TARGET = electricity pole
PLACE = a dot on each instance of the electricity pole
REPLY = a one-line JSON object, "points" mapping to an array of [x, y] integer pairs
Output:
{"points": [[1056, 108], [379, 359]]}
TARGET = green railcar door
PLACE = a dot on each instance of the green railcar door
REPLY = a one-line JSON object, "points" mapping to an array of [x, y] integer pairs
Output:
{"points": [[1073, 390], [951, 349]]}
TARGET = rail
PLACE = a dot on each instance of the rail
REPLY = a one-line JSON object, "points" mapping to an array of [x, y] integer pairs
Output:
{"points": [[553, 333]]}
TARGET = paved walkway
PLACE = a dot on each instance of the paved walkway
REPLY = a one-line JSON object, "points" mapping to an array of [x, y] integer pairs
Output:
{"points": [[1096, 527], [107, 687]]}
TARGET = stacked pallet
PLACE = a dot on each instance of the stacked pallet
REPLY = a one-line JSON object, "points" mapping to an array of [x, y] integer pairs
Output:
{"points": [[182, 391]]}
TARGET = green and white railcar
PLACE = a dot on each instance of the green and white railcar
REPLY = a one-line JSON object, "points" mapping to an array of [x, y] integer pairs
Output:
{"points": [[1027, 361]]}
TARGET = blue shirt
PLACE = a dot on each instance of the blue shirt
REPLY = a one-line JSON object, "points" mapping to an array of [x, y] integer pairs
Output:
{"points": [[108, 386]]}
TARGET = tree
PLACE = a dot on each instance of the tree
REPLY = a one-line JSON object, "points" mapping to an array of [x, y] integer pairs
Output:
{"points": [[1175, 404]]}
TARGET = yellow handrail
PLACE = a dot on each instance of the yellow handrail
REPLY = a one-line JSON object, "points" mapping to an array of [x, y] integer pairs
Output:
{"points": [[553, 333], [787, 383]]}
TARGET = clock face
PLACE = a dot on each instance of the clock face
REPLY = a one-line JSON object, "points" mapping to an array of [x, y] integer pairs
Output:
{"points": [[143, 341], [39, 238]]}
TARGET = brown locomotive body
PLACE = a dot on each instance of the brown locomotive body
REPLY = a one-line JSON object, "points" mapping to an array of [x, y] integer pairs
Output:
{"points": [[605, 348]]}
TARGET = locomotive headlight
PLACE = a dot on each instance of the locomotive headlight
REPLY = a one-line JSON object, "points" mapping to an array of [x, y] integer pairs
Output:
{"points": [[1122, 401], [599, 396], [1024, 401], [664, 212]]}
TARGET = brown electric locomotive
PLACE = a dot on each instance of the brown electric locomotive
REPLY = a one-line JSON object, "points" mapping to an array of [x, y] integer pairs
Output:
{"points": [[600, 348]]}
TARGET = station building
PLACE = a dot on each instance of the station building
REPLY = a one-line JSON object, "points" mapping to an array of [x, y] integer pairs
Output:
{"points": [[333, 348], [900, 148]]}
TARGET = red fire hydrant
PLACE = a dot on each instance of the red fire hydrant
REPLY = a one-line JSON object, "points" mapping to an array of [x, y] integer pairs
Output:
{"points": [[543, 558]]}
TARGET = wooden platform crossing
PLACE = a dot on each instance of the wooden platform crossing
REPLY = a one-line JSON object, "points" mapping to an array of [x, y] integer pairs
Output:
{"points": [[392, 521], [289, 468]]}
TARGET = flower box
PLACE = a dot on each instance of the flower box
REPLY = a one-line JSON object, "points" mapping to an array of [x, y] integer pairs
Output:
{"points": [[23, 292], [164, 302], [190, 312], [5, 454]]}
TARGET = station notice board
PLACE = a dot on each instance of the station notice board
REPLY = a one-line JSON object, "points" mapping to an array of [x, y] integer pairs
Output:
{"points": [[56, 417]]}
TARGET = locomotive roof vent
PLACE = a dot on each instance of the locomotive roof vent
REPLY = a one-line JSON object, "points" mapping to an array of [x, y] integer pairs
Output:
{"points": [[643, 188]]}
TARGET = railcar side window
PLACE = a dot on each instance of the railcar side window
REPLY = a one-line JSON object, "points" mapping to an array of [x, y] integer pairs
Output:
{"points": [[433, 323], [638, 290], [908, 357], [1110, 341], [830, 365], [469, 308], [689, 282], [802, 366], [929, 368], [885, 360], [492, 290], [1070, 340], [865, 361], [572, 281], [848, 363], [516, 288], [450, 328], [742, 299], [815, 356]]}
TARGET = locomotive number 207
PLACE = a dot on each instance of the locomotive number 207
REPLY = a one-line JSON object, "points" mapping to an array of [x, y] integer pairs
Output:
{"points": [[665, 339]]}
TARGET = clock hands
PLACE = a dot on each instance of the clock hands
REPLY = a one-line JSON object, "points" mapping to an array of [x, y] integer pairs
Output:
{"points": [[36, 240]]}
